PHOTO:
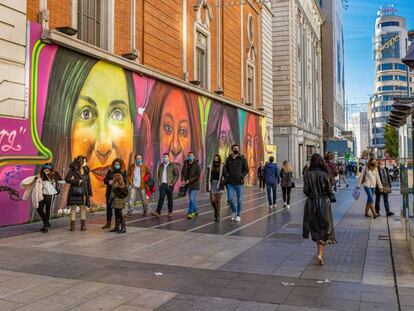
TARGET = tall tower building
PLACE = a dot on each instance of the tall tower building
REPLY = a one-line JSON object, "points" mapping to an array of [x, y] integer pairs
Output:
{"points": [[392, 78]]}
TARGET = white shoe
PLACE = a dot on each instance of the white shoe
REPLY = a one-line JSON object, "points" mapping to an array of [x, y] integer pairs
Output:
{"points": [[287, 206], [233, 216], [238, 219], [274, 205], [270, 206], [284, 204]]}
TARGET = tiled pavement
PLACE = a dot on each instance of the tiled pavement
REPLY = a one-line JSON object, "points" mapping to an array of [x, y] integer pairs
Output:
{"points": [[175, 264]]}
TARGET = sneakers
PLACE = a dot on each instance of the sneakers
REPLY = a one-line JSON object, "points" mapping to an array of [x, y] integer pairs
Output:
{"points": [[156, 214], [274, 205], [190, 216], [170, 214], [233, 216], [288, 206], [284, 204], [270, 206], [238, 219]]}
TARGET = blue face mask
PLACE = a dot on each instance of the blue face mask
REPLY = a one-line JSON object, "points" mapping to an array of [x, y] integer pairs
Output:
{"points": [[117, 166], [191, 158], [139, 162]]}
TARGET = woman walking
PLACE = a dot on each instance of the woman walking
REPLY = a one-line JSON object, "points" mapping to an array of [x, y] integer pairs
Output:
{"points": [[118, 197], [215, 184], [80, 190], [260, 176], [286, 182], [317, 217], [370, 179]]}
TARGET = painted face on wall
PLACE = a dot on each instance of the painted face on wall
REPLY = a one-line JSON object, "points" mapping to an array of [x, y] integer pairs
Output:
{"points": [[226, 139], [102, 128], [253, 146], [175, 131]]}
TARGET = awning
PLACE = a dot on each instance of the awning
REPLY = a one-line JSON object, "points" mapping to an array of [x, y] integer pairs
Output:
{"points": [[401, 109], [409, 58]]}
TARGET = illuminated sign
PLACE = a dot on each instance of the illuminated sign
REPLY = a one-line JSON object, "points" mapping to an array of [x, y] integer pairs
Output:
{"points": [[386, 45], [387, 10]]}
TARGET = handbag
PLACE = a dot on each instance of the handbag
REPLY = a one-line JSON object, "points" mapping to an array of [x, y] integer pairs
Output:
{"points": [[332, 198], [77, 190], [386, 190], [182, 191], [356, 193]]}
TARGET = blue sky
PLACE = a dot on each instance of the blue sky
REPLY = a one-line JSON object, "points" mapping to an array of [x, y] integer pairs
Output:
{"points": [[359, 24]]}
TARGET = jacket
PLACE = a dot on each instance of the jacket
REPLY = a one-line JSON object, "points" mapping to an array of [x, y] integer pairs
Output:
{"points": [[192, 173], [317, 217], [74, 178], [33, 189], [260, 172], [385, 179], [110, 176], [144, 171], [286, 179], [172, 174], [236, 169], [271, 174], [118, 197], [372, 178], [332, 171], [221, 178]]}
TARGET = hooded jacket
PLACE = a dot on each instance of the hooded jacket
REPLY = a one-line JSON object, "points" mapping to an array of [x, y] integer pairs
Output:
{"points": [[271, 173]]}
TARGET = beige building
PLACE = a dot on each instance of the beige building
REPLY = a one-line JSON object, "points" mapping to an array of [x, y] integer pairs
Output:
{"points": [[297, 92]]}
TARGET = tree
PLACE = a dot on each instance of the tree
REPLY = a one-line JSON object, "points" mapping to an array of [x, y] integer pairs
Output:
{"points": [[391, 141]]}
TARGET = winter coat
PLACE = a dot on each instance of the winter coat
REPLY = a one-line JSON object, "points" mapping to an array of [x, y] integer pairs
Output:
{"points": [[317, 217], [33, 189], [260, 172], [74, 178], [172, 174], [221, 183], [237, 169], [192, 173], [144, 171], [286, 178], [110, 176], [271, 174], [118, 197], [370, 178]]}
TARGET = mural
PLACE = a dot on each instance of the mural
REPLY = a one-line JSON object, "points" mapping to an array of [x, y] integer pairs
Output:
{"points": [[79, 105]]}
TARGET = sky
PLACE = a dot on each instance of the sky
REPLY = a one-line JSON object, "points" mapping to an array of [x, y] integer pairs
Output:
{"points": [[359, 28]]}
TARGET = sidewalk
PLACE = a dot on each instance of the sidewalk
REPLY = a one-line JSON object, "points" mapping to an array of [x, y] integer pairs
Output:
{"points": [[173, 264]]}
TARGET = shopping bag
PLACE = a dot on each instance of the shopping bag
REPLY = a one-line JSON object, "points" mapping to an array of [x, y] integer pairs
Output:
{"points": [[356, 193]]}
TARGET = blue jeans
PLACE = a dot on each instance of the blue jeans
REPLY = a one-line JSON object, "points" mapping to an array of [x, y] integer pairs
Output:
{"points": [[370, 194], [192, 207], [271, 188], [230, 194]]}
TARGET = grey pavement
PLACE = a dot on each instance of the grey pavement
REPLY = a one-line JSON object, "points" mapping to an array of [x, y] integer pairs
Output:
{"points": [[173, 263]]}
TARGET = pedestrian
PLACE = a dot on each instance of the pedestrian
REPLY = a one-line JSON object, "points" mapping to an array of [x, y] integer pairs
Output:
{"points": [[80, 190], [342, 176], [137, 173], [260, 176], [117, 167], [370, 179], [386, 189], [118, 198], [237, 172], [317, 217], [286, 182], [332, 171], [305, 168], [215, 184], [50, 188], [190, 176], [167, 178], [272, 179]]}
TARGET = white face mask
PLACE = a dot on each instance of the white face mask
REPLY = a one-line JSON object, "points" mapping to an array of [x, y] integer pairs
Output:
{"points": [[84, 164], [382, 166]]}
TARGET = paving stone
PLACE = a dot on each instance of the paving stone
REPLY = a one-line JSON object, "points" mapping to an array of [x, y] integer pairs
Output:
{"points": [[9, 305]]}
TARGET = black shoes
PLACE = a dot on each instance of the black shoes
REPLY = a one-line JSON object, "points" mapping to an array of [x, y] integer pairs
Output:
{"points": [[44, 229], [390, 214]]}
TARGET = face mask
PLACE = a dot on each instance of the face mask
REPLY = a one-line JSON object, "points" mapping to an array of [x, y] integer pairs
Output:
{"points": [[46, 172], [139, 162], [236, 151], [117, 166], [382, 166], [84, 164], [191, 158], [215, 161], [166, 160]]}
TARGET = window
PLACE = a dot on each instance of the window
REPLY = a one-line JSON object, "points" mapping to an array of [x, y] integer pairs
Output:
{"points": [[384, 98], [400, 67], [390, 46], [388, 24], [89, 21], [385, 78], [382, 67], [201, 60], [401, 78], [401, 88], [250, 84], [251, 62], [385, 88], [382, 109]]}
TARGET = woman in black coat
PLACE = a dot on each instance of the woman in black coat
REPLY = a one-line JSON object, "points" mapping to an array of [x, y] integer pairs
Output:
{"points": [[80, 190], [317, 217]]}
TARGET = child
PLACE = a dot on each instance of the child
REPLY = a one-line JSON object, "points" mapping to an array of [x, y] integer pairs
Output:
{"points": [[118, 197]]}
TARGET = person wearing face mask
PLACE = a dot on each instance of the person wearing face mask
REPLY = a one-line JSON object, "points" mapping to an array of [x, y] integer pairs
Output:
{"points": [[167, 177], [136, 182], [237, 171], [190, 176], [117, 167], [50, 188], [386, 189], [215, 184], [80, 190]]}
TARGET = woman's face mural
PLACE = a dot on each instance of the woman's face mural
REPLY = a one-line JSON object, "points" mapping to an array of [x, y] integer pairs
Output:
{"points": [[175, 130], [226, 139], [253, 145], [102, 128]]}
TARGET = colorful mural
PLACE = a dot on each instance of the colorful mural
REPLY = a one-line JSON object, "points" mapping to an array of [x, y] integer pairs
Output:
{"points": [[79, 105]]}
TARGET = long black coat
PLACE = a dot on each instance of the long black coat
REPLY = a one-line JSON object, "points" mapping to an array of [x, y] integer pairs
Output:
{"points": [[317, 217], [74, 177]]}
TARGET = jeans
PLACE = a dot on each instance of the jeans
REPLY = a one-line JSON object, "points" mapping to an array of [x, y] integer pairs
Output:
{"points": [[192, 207], [165, 190], [108, 209], [370, 194], [271, 188], [44, 208], [378, 201], [286, 194], [142, 196], [230, 194]]}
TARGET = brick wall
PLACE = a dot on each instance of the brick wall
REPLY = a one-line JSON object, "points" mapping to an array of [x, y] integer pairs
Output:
{"points": [[122, 31]]}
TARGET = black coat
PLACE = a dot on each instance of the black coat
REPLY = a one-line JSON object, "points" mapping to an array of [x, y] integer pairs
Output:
{"points": [[110, 176], [236, 169], [385, 179], [74, 178], [192, 173], [317, 217]]}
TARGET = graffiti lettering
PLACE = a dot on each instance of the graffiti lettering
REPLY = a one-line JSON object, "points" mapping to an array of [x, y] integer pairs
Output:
{"points": [[12, 176], [13, 194], [8, 140]]}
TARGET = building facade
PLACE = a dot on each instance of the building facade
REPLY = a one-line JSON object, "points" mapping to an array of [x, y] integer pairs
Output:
{"points": [[392, 78], [297, 91], [333, 75], [109, 79], [359, 125]]}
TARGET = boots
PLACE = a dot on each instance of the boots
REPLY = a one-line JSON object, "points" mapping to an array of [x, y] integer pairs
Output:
{"points": [[116, 228], [83, 227], [123, 227], [366, 210], [72, 225], [372, 208], [108, 224]]}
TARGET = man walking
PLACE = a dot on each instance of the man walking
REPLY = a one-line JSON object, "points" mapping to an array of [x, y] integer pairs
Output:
{"points": [[136, 174], [386, 189], [272, 179], [190, 176], [167, 177], [237, 170]]}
